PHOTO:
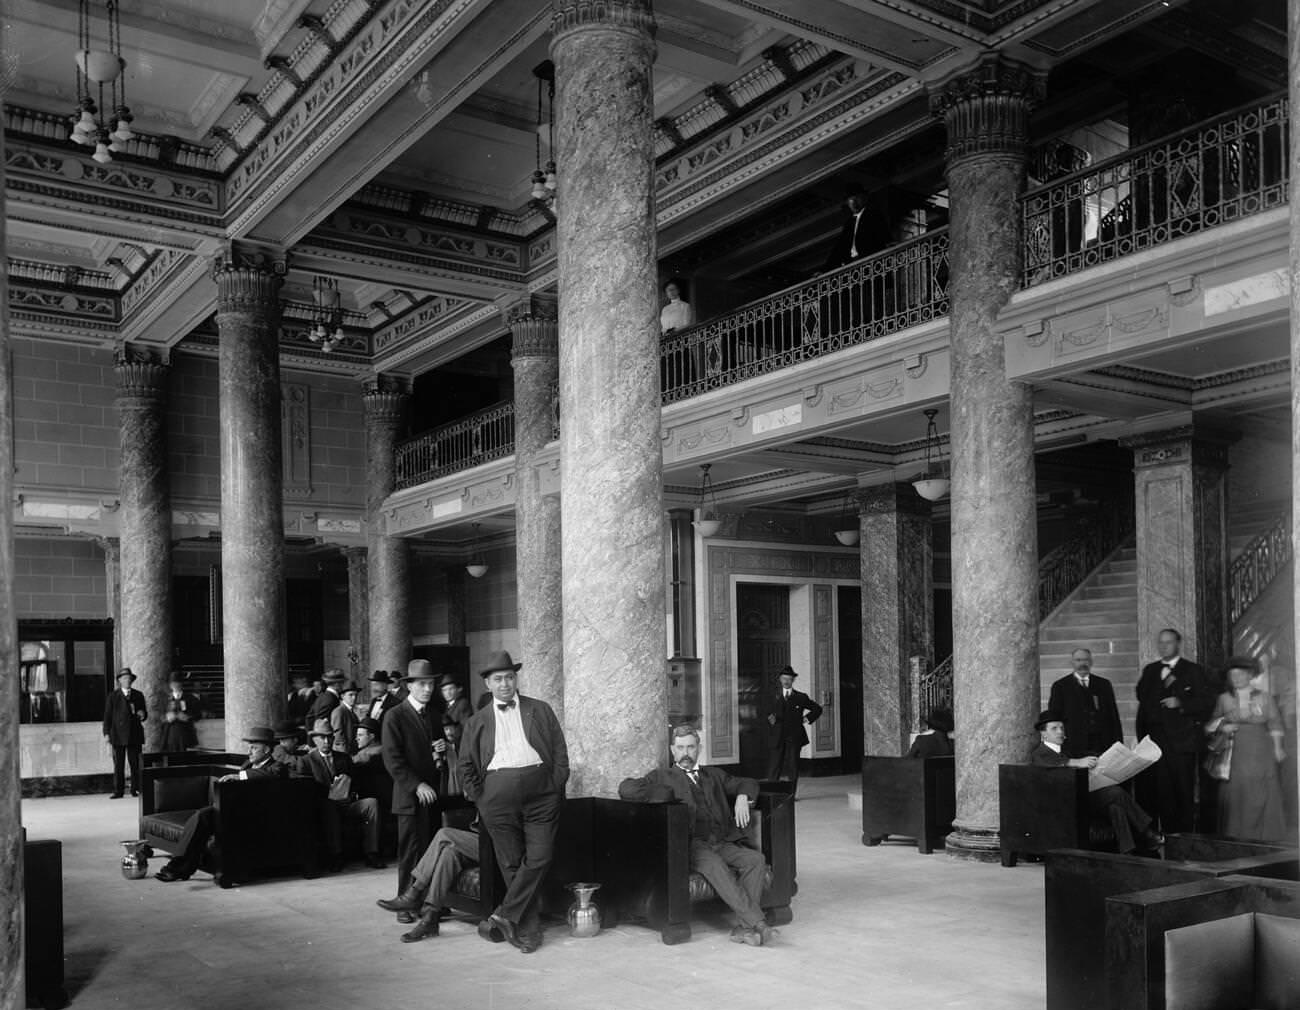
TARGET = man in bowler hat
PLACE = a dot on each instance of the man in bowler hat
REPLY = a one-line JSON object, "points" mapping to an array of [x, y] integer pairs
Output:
{"points": [[514, 763], [124, 716], [786, 733], [409, 731]]}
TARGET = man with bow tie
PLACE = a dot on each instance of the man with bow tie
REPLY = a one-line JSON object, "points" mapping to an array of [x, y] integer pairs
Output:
{"points": [[514, 763], [720, 847], [787, 732], [1175, 696], [1086, 703]]}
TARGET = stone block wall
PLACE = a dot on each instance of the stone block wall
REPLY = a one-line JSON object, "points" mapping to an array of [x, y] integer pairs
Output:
{"points": [[58, 578]]}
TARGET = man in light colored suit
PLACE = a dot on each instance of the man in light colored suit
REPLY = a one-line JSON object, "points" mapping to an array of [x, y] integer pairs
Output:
{"points": [[514, 763]]}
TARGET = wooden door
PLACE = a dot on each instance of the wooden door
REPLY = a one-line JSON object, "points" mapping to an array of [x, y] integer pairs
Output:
{"points": [[763, 631]]}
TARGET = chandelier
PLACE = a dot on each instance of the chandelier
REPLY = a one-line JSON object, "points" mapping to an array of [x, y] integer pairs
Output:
{"points": [[477, 565], [933, 483], [103, 120], [544, 179], [326, 314], [709, 521]]}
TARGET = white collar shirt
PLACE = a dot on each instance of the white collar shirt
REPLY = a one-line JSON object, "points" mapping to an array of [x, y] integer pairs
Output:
{"points": [[512, 747]]}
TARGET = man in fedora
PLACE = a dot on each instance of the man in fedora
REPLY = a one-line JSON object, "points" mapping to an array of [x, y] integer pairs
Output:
{"points": [[514, 763], [124, 716], [1111, 805], [328, 700], [786, 734], [202, 824], [455, 704], [409, 731], [288, 745], [382, 697], [334, 770], [343, 719]]}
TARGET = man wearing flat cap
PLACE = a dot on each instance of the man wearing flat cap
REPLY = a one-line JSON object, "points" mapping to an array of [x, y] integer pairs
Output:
{"points": [[124, 716], [333, 769], [328, 700], [409, 731], [786, 733], [514, 763], [1110, 805], [202, 824]]}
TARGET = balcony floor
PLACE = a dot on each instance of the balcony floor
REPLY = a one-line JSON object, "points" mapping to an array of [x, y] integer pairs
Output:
{"points": [[882, 927]]}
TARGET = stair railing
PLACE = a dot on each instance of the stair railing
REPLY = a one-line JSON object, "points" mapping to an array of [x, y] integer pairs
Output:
{"points": [[1257, 566], [1060, 572]]}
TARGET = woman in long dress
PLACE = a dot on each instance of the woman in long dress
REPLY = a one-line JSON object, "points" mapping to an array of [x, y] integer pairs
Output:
{"points": [[1250, 802]]}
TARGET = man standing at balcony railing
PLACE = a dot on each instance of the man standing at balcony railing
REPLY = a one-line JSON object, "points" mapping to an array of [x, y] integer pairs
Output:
{"points": [[865, 230]]}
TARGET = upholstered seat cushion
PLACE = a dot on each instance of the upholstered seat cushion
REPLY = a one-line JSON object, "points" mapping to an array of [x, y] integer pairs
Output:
{"points": [[166, 826], [701, 890], [467, 883]]}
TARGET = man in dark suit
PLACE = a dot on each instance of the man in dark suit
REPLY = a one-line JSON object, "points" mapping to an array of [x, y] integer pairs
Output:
{"points": [[720, 849], [328, 700], [1175, 696], [786, 735], [124, 716], [514, 763], [408, 731], [202, 824], [1110, 804], [455, 704], [382, 698], [1087, 705], [328, 767], [865, 230]]}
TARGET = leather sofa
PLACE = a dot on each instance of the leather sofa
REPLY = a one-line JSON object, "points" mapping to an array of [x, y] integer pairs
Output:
{"points": [[1211, 944], [1078, 882], [263, 825], [912, 797], [640, 854]]}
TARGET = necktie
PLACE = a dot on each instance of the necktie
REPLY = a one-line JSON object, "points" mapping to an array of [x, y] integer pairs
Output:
{"points": [[329, 764], [505, 706], [1083, 681], [785, 694]]}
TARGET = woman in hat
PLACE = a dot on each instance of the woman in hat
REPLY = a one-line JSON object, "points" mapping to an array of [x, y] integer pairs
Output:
{"points": [[183, 710], [934, 741]]}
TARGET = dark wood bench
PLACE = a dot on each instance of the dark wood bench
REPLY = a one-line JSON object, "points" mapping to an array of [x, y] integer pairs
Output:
{"points": [[263, 825], [1077, 883], [912, 797], [640, 854], [43, 933], [1040, 809]]}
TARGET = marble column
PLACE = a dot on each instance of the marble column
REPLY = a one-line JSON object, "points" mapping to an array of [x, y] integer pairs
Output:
{"points": [[994, 526], [1293, 76], [612, 528], [112, 548], [457, 583], [897, 553], [390, 557], [1180, 495], [535, 357], [144, 630], [252, 518], [13, 986], [359, 606]]}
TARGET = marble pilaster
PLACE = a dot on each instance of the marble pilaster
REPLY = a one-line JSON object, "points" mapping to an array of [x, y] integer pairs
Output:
{"points": [[252, 520], [896, 547], [13, 986], [390, 557], [535, 358], [359, 606], [457, 583], [1180, 494], [1293, 76], [994, 529], [144, 628], [615, 689], [112, 548]]}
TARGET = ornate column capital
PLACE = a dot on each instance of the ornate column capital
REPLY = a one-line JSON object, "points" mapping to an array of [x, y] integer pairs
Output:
{"points": [[248, 278], [385, 398], [985, 108], [883, 499], [141, 378], [626, 15], [534, 325], [358, 556]]}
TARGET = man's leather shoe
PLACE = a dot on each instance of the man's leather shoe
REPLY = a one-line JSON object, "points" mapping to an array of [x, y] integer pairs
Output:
{"points": [[409, 900], [167, 875], [742, 934], [529, 942], [135, 792], [427, 926], [406, 918], [490, 929], [114, 796], [374, 861]]}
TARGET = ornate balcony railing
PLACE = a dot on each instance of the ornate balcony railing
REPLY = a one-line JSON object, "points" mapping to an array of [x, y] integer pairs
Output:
{"points": [[469, 442], [871, 298], [1250, 574], [1215, 172], [931, 689]]}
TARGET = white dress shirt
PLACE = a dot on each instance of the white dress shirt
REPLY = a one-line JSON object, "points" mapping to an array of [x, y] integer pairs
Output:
{"points": [[512, 748]]}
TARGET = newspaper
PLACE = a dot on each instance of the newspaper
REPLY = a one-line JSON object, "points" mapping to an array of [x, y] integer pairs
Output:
{"points": [[1121, 763]]}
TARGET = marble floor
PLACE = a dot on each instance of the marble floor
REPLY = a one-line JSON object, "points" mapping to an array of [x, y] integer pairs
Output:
{"points": [[878, 928]]}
